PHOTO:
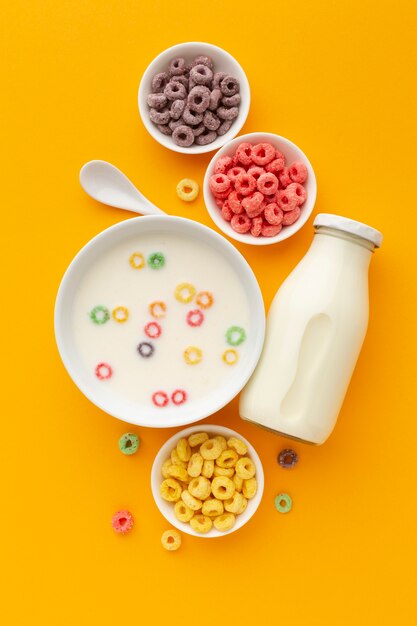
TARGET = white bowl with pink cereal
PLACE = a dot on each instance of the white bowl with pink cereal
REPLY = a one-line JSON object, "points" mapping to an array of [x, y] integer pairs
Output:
{"points": [[227, 113], [176, 509], [237, 182]]}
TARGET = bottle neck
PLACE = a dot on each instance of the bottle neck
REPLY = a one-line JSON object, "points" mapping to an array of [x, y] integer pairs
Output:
{"points": [[340, 234]]}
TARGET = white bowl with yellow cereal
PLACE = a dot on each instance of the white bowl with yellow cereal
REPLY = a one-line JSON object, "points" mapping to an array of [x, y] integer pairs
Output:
{"points": [[207, 480]]}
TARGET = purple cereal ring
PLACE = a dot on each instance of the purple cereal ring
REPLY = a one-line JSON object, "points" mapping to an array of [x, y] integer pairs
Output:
{"points": [[164, 129], [159, 82], [202, 75], [229, 85], [173, 124], [159, 117], [197, 130], [177, 109], [156, 100], [183, 136], [192, 117], [175, 91], [211, 121], [181, 79], [177, 67], [206, 137], [224, 127], [203, 60], [215, 97], [231, 101], [217, 79], [227, 114], [199, 98]]}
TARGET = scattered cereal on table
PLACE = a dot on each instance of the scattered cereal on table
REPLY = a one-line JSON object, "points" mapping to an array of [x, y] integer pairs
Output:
{"points": [[122, 522], [129, 443], [283, 503]]}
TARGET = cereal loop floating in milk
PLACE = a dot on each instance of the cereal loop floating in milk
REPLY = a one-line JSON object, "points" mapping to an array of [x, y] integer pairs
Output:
{"points": [[103, 371], [100, 314], [137, 260], [160, 399], [204, 299], [179, 396], [230, 357], [184, 292], [195, 318], [156, 260], [120, 314], [153, 330], [235, 335], [145, 349], [193, 355], [158, 309]]}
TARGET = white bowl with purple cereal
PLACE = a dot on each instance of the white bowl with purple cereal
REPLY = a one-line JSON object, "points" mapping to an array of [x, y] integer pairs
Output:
{"points": [[260, 188], [194, 97]]}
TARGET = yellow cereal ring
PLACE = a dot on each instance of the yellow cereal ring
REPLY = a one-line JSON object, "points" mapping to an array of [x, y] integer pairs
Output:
{"points": [[195, 465], [183, 450], [222, 487], [227, 458], [178, 472], [223, 471], [208, 468], [200, 487], [187, 189], [175, 459], [171, 540], [204, 299], [250, 487], [237, 504], [245, 468], [164, 469], [193, 503], [238, 445], [210, 449], [184, 292], [170, 490], [212, 507], [201, 523], [120, 314], [224, 522], [230, 356], [193, 355], [238, 482], [197, 439], [222, 441], [182, 512], [137, 260], [157, 309]]}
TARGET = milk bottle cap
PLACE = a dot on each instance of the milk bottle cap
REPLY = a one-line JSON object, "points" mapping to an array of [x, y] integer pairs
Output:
{"points": [[349, 226]]}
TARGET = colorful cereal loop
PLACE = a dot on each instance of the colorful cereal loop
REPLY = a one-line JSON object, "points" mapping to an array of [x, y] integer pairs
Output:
{"points": [[204, 299], [187, 189], [153, 330], [129, 443], [283, 503], [157, 309], [230, 357], [137, 261], [156, 260], [122, 522], [145, 349], [160, 399], [193, 355], [195, 318], [235, 335], [184, 292], [179, 396], [100, 314], [103, 371], [120, 314]]}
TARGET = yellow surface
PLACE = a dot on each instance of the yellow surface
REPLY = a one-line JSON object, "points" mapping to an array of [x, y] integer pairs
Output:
{"points": [[338, 78]]}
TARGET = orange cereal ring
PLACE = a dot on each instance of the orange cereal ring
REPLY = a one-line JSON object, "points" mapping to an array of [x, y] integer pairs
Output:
{"points": [[204, 299], [157, 309]]}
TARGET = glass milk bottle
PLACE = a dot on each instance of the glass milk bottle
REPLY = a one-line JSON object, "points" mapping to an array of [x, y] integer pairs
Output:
{"points": [[315, 329]]}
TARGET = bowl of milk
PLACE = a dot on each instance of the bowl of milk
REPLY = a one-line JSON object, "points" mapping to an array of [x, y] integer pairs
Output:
{"points": [[159, 321]]}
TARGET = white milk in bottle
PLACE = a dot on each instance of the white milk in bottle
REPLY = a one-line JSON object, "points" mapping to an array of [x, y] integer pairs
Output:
{"points": [[315, 329]]}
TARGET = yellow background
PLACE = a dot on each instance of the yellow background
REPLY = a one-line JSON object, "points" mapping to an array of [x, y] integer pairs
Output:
{"points": [[336, 77]]}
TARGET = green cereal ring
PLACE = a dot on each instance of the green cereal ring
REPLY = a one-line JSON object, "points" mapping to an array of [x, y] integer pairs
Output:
{"points": [[283, 503], [100, 314], [235, 335], [156, 260], [129, 443]]}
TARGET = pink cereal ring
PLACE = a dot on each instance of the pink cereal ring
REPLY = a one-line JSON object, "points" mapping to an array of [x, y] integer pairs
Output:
{"points": [[223, 164], [160, 399], [241, 223], [298, 172], [284, 177], [122, 522], [273, 214], [298, 191], [267, 183], [179, 396], [287, 201], [219, 202], [195, 317], [245, 184], [256, 171], [263, 153], [235, 202], [153, 330], [275, 166], [234, 172], [219, 183], [256, 228], [103, 371], [227, 212], [254, 205], [244, 153], [268, 230], [291, 216]]}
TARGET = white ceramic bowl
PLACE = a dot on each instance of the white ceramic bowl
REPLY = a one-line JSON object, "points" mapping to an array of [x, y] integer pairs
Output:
{"points": [[223, 62], [103, 397], [167, 508], [292, 153]]}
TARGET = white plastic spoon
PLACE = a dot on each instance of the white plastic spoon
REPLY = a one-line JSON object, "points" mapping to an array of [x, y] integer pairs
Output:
{"points": [[107, 184]]}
